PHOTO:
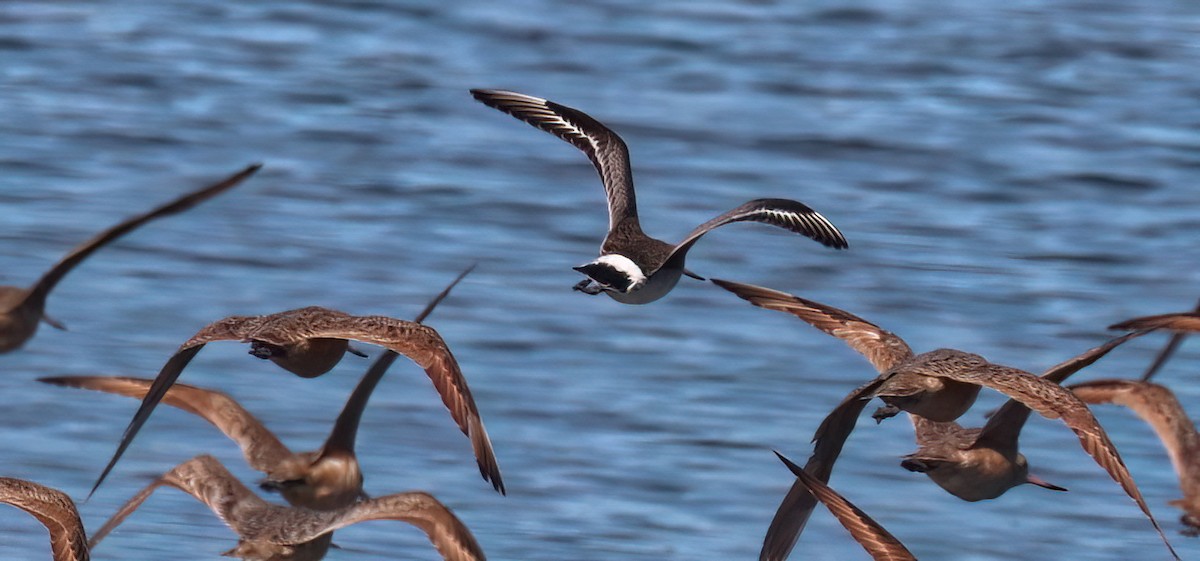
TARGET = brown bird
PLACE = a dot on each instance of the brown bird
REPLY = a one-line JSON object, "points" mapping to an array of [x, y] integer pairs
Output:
{"points": [[983, 463], [268, 532], [634, 268], [22, 309], [324, 479], [55, 510], [932, 385], [878, 542], [300, 339], [1158, 406], [1181, 323]]}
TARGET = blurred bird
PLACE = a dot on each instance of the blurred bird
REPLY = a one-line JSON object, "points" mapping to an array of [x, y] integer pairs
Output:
{"points": [[55, 510], [1158, 406], [634, 268], [22, 309], [1181, 323], [268, 532], [938, 385]]}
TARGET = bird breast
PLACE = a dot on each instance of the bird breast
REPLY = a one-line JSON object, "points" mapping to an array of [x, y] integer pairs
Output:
{"points": [[310, 358]]}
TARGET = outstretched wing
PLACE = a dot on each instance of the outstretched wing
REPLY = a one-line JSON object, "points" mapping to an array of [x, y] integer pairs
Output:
{"points": [[447, 533], [230, 328], [1183, 321], [55, 510], [345, 430], [603, 147], [878, 542], [1054, 402], [424, 346], [883, 348], [262, 449], [790, 215], [206, 479], [1004, 427], [1167, 351], [1159, 407], [37, 294], [793, 513], [158, 389]]}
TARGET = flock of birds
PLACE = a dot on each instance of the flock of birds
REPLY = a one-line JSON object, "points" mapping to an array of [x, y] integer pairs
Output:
{"points": [[324, 487]]}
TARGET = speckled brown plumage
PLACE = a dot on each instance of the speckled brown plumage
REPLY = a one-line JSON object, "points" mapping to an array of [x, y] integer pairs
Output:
{"points": [[299, 334], [625, 238], [275, 533], [22, 309], [903, 382], [55, 510]]}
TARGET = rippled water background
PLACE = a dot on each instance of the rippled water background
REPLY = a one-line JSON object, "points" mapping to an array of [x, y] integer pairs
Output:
{"points": [[1011, 180]]}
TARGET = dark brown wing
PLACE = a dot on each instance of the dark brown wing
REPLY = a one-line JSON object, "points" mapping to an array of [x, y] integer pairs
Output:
{"points": [[793, 216], [163, 382], [1159, 407], [122, 513], [603, 147], [878, 542], [55, 510], [424, 346], [793, 513], [262, 449], [37, 294], [1054, 402], [1003, 429], [883, 348]]}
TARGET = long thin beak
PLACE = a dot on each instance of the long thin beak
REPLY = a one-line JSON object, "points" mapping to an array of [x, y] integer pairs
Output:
{"points": [[1043, 483]]}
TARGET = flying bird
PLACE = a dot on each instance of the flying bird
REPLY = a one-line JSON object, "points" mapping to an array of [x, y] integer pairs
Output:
{"points": [[299, 339], [55, 510], [268, 532], [323, 479], [22, 309], [976, 464], [1158, 407], [634, 268], [931, 385]]}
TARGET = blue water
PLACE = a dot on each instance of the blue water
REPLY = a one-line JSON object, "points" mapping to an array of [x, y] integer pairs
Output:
{"points": [[1011, 179]]}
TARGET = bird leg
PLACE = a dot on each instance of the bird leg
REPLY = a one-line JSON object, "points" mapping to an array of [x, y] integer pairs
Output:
{"points": [[588, 286], [885, 412], [265, 350]]}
